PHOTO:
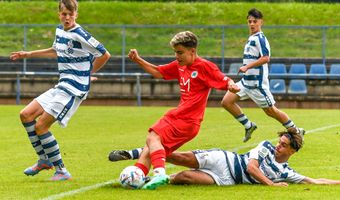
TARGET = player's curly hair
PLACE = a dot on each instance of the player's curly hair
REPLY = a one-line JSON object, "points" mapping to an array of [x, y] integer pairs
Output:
{"points": [[71, 5], [185, 38], [294, 136]]}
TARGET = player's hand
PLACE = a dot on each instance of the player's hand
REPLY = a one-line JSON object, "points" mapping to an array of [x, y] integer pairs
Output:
{"points": [[233, 88], [19, 54], [281, 184], [242, 69], [133, 54], [93, 78]]}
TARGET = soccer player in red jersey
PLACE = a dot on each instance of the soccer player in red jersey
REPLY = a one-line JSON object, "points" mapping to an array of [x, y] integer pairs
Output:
{"points": [[196, 76]]}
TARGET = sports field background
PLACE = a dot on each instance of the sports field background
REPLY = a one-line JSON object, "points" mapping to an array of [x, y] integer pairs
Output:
{"points": [[95, 130]]}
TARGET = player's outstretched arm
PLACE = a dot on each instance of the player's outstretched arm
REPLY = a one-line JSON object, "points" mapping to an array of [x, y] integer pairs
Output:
{"points": [[320, 181], [148, 67], [45, 53]]}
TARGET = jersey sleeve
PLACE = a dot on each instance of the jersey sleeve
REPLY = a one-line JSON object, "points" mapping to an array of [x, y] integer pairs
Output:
{"points": [[89, 43], [293, 176], [259, 152], [169, 71], [263, 45], [215, 78]]}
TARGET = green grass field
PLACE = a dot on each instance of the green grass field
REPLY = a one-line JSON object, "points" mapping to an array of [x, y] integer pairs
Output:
{"points": [[94, 131]]}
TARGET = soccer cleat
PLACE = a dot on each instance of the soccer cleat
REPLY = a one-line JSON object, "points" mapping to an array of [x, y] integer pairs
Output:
{"points": [[36, 168], [61, 176], [156, 181], [147, 179], [117, 155], [249, 131]]}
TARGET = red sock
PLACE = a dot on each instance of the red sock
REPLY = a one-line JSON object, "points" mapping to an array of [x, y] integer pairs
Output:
{"points": [[143, 168], [158, 159]]}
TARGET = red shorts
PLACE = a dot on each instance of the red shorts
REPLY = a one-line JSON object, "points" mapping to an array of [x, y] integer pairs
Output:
{"points": [[174, 132]]}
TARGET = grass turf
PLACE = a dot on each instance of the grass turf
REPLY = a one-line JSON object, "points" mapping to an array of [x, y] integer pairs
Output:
{"points": [[95, 130]]}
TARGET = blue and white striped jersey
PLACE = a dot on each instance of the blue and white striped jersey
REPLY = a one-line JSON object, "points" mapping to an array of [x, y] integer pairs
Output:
{"points": [[76, 49], [256, 47], [264, 153]]}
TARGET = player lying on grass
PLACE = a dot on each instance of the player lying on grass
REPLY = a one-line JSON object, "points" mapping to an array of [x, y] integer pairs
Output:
{"points": [[265, 164]]}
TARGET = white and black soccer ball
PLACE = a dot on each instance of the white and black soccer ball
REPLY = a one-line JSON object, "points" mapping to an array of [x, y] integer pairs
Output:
{"points": [[132, 177]]}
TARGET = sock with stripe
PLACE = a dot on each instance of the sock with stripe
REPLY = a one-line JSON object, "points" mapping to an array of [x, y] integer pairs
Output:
{"points": [[34, 139], [289, 124], [51, 148], [243, 119], [135, 153]]}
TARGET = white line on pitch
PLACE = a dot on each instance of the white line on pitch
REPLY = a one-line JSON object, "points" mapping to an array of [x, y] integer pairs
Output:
{"points": [[80, 190], [98, 185]]}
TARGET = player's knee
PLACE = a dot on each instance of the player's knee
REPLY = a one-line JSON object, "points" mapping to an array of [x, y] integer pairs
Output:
{"points": [[41, 128], [152, 138], [225, 103], [25, 115], [270, 112], [183, 177]]}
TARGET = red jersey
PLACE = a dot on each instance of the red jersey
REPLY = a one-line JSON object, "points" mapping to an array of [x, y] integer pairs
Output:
{"points": [[195, 83]]}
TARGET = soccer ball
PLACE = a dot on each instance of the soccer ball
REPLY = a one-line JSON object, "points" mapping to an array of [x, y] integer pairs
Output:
{"points": [[132, 177]]}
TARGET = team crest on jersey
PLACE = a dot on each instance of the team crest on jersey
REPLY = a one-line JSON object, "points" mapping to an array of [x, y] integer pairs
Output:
{"points": [[263, 152], [93, 42], [194, 74], [70, 47]]}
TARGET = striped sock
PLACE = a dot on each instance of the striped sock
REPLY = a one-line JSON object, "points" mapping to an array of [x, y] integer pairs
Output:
{"points": [[51, 148], [35, 141], [135, 153], [243, 119], [289, 124]]}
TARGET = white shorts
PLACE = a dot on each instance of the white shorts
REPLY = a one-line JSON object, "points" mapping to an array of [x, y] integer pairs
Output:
{"points": [[214, 163], [261, 96], [59, 104]]}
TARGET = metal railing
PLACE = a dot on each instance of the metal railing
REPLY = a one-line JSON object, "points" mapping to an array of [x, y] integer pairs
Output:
{"points": [[137, 76], [19, 75], [222, 41]]}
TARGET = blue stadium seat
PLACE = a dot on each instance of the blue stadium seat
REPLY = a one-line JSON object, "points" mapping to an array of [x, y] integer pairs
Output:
{"points": [[317, 71], [297, 70], [277, 69], [334, 71], [234, 67], [277, 86], [297, 86]]}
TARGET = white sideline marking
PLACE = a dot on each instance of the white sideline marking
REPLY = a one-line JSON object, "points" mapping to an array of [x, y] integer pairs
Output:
{"points": [[98, 185], [80, 190]]}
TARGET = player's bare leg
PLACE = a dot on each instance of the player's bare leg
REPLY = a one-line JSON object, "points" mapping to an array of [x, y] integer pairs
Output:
{"points": [[229, 103]]}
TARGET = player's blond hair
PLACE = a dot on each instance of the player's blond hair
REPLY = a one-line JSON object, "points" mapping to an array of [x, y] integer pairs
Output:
{"points": [[294, 136], [71, 5], [185, 38]]}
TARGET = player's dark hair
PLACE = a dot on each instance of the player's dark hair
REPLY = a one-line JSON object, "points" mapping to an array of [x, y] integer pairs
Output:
{"points": [[71, 5], [255, 13], [294, 136]]}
